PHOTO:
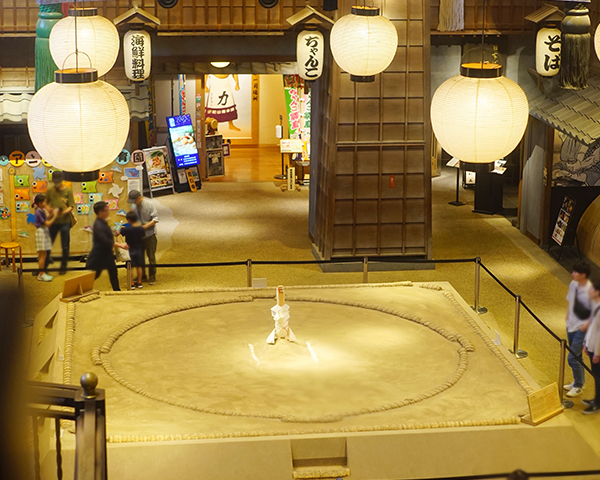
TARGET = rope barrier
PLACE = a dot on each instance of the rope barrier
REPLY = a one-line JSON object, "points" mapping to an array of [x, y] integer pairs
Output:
{"points": [[350, 260]]}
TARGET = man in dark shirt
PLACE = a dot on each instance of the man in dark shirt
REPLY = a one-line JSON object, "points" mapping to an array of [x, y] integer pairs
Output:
{"points": [[102, 256]]}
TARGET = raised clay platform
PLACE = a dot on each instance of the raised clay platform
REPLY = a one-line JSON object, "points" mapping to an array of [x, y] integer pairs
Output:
{"points": [[384, 381]]}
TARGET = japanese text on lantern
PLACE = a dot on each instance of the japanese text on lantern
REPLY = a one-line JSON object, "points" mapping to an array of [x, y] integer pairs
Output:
{"points": [[311, 66], [137, 56], [552, 58]]}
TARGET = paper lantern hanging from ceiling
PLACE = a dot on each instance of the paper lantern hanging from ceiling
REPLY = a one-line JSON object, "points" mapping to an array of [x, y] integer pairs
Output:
{"points": [[309, 54], [363, 43], [78, 123], [137, 52], [97, 41], [479, 116], [547, 51]]}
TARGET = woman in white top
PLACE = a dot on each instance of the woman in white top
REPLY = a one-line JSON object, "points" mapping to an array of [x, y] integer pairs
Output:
{"points": [[592, 348]]}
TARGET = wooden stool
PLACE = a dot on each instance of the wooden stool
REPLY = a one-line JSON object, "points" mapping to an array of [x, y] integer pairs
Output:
{"points": [[11, 246]]}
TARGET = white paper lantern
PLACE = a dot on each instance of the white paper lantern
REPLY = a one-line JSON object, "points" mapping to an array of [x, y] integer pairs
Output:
{"points": [[363, 43], [220, 64], [547, 51], [137, 52], [78, 123], [309, 54], [479, 116], [97, 38]]}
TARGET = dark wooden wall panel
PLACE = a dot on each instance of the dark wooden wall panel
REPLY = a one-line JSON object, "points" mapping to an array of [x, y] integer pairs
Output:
{"points": [[380, 197]]}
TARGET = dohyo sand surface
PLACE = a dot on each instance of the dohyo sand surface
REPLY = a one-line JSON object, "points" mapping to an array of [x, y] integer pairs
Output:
{"points": [[373, 357]]}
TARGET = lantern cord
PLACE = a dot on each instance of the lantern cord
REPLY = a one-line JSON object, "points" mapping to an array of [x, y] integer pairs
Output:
{"points": [[483, 35], [76, 50]]}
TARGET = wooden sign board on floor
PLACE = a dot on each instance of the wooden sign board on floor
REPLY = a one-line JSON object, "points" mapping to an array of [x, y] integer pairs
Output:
{"points": [[191, 180], [78, 287], [543, 405]]}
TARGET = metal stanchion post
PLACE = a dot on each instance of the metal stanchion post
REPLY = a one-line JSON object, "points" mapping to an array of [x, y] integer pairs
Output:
{"points": [[366, 270], [249, 272], [129, 274], [515, 351], [478, 308], [561, 375]]}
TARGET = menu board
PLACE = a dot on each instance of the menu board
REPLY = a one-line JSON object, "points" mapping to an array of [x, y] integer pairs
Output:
{"points": [[562, 222], [157, 166], [181, 133]]}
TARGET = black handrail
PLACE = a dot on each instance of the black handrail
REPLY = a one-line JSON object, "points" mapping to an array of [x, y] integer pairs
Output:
{"points": [[86, 406]]}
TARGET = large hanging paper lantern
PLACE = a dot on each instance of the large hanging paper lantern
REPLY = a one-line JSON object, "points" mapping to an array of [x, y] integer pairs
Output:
{"points": [[137, 52], [78, 123], [479, 116], [309, 54], [97, 38], [547, 52], [363, 43]]}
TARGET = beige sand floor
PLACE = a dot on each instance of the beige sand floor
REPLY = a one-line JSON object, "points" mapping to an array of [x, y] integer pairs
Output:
{"points": [[236, 222], [193, 372]]}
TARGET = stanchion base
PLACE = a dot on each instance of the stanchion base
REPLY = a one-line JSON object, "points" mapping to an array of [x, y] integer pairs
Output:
{"points": [[457, 203], [480, 310], [567, 403], [520, 354], [280, 177]]}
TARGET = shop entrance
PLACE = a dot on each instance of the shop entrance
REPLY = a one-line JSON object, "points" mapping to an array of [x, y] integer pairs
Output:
{"points": [[242, 122]]}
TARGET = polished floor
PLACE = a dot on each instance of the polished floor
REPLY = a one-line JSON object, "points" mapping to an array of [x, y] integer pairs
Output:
{"points": [[251, 164], [234, 221]]}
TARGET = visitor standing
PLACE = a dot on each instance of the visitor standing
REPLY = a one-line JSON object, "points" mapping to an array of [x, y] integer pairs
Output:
{"points": [[148, 216], [578, 319], [60, 197], [102, 256], [43, 219], [134, 235], [592, 348]]}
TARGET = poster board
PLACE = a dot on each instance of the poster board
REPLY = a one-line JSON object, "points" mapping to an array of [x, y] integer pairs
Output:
{"points": [[562, 221], [157, 169], [233, 100], [291, 145]]}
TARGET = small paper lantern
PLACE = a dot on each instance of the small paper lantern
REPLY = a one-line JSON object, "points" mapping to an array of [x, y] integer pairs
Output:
{"points": [[97, 38], [309, 54], [479, 116], [78, 123], [363, 43], [220, 64], [137, 52], [547, 51]]}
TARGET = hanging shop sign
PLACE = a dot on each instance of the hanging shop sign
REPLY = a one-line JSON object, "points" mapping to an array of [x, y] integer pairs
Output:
{"points": [[547, 52], [137, 52], [309, 54]]}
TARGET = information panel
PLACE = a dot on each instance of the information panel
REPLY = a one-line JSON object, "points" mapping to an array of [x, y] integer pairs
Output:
{"points": [[181, 133]]}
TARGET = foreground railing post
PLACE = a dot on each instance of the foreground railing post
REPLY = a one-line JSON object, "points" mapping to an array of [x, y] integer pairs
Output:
{"points": [[515, 351], [478, 308], [366, 270], [129, 274], [249, 272], [561, 374]]}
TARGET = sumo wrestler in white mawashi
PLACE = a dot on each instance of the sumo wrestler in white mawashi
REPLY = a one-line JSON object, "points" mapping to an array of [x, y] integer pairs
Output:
{"points": [[281, 317]]}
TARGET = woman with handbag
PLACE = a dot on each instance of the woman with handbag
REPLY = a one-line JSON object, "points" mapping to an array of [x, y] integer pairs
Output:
{"points": [[578, 320], [61, 197]]}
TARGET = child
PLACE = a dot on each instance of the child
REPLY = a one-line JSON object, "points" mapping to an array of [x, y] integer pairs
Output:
{"points": [[134, 235], [102, 256], [43, 218]]}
